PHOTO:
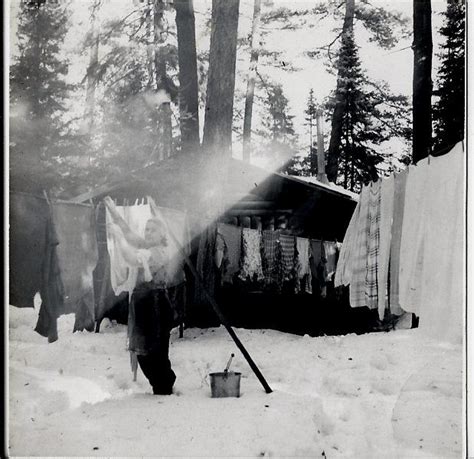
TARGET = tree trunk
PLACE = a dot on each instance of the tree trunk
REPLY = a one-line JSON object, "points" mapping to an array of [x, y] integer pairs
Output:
{"points": [[338, 114], [422, 84], [164, 110], [254, 41], [188, 80], [217, 136], [92, 68]]}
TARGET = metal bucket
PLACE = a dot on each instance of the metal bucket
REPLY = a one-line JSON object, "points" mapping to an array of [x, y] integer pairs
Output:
{"points": [[225, 384]]}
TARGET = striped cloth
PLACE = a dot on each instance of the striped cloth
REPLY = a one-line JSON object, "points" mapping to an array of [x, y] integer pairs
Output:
{"points": [[358, 259], [271, 257], [373, 247], [287, 256], [386, 216], [303, 267]]}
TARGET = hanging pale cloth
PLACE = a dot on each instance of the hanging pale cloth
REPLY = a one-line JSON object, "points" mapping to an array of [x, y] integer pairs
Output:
{"points": [[303, 269], [344, 264], [251, 255], [386, 215], [441, 308], [400, 181], [358, 258], [415, 216], [178, 240], [331, 253], [373, 246]]}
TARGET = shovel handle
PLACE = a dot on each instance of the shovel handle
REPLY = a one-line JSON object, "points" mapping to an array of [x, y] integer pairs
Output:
{"points": [[228, 363]]}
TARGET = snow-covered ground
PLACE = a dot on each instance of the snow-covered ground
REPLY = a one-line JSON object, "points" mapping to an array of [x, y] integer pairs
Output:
{"points": [[378, 395]]}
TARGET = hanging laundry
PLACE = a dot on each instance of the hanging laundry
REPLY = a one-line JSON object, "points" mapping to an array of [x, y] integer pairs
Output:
{"points": [[52, 289], [303, 271], [33, 261], [287, 257], [348, 249], [179, 240], [229, 243], [331, 254], [318, 266], [205, 265], [28, 218], [386, 214], [441, 309], [400, 181], [358, 263], [412, 237], [272, 258], [119, 271], [77, 255], [373, 246], [251, 255]]}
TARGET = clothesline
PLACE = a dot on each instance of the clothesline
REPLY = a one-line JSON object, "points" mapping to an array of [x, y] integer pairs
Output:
{"points": [[405, 241]]}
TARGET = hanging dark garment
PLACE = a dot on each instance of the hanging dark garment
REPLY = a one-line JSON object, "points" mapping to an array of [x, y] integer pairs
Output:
{"points": [[27, 246], [77, 254], [206, 265], [52, 289], [230, 237]]}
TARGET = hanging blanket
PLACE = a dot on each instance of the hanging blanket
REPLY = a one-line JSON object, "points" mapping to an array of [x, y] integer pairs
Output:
{"points": [[251, 255], [358, 268], [271, 258], [373, 247]]}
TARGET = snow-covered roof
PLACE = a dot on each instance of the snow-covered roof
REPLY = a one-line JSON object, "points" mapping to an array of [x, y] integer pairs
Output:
{"points": [[329, 186]]}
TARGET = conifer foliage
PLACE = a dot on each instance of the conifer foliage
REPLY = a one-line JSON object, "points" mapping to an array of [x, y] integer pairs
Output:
{"points": [[38, 89], [448, 111]]}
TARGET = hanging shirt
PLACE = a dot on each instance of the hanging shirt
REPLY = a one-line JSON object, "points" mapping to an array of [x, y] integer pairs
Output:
{"points": [[386, 214], [373, 246], [229, 241], [400, 181], [303, 266], [358, 259], [251, 255]]}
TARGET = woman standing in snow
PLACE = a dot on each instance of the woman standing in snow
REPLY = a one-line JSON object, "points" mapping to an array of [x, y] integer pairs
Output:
{"points": [[151, 310]]}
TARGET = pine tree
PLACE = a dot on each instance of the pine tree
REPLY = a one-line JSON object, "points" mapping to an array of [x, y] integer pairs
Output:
{"points": [[448, 111], [310, 118], [38, 90], [370, 116]]}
